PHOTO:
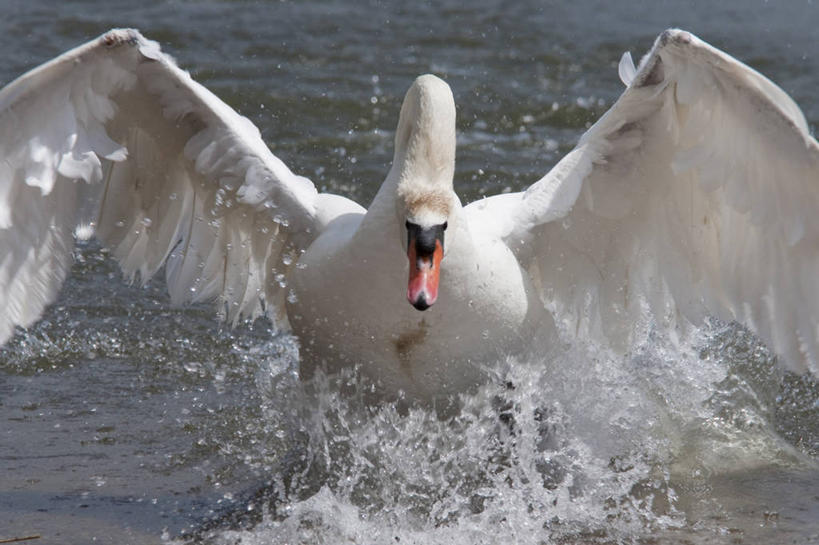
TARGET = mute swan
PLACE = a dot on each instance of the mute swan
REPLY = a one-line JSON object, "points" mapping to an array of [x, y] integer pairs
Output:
{"points": [[694, 195]]}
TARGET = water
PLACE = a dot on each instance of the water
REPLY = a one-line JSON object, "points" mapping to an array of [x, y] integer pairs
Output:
{"points": [[125, 421]]}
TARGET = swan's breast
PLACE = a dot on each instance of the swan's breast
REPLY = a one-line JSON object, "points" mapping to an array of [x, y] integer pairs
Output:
{"points": [[352, 310]]}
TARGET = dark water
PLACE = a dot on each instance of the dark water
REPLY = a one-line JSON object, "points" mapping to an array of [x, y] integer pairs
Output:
{"points": [[125, 421]]}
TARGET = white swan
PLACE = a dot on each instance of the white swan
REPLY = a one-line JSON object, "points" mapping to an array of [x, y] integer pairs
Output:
{"points": [[695, 194]]}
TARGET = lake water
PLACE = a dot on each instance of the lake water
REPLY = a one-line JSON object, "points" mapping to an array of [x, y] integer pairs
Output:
{"points": [[125, 421]]}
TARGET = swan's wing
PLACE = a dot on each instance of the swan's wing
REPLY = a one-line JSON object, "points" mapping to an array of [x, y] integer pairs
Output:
{"points": [[113, 139], [697, 193]]}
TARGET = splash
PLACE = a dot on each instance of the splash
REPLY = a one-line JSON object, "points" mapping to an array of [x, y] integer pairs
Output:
{"points": [[584, 445]]}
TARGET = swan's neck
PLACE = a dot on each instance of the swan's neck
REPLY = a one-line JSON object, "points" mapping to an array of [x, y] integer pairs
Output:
{"points": [[424, 160], [419, 186]]}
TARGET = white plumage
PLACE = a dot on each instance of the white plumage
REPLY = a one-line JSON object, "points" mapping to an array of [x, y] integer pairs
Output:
{"points": [[694, 195]]}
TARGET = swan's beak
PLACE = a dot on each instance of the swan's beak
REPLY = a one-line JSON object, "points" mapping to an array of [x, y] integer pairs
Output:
{"points": [[425, 250]]}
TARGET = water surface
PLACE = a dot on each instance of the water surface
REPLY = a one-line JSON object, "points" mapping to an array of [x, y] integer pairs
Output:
{"points": [[123, 420]]}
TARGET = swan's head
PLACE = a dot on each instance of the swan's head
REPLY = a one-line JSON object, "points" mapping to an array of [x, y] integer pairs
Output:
{"points": [[425, 163], [425, 251]]}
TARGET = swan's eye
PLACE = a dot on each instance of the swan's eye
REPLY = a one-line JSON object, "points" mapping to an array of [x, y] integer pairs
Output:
{"points": [[445, 225]]}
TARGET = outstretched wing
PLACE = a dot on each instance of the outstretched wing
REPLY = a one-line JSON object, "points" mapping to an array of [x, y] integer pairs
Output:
{"points": [[113, 139], [697, 193]]}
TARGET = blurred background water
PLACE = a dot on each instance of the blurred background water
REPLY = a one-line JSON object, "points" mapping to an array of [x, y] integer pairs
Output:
{"points": [[123, 420]]}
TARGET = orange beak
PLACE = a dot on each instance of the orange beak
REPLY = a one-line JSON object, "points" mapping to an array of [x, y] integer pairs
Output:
{"points": [[424, 273]]}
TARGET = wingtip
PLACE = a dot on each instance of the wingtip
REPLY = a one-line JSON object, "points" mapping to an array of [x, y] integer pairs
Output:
{"points": [[120, 36], [651, 72], [131, 36], [675, 36]]}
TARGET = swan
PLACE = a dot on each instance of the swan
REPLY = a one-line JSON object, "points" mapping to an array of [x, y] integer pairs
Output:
{"points": [[695, 195]]}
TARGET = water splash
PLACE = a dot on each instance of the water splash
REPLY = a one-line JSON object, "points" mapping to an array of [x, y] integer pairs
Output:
{"points": [[586, 446]]}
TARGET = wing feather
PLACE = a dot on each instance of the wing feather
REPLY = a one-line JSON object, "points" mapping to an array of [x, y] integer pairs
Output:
{"points": [[112, 136], [695, 194]]}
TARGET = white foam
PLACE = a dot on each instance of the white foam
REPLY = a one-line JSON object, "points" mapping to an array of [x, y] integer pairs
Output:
{"points": [[586, 442]]}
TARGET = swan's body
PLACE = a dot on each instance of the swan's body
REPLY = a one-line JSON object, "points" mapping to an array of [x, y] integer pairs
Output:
{"points": [[694, 195], [492, 315], [361, 317]]}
